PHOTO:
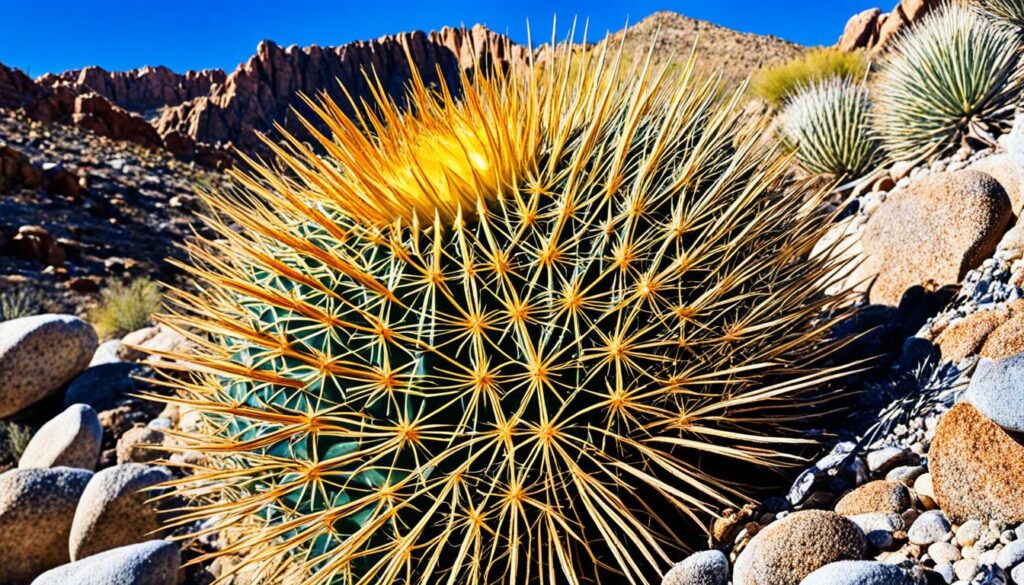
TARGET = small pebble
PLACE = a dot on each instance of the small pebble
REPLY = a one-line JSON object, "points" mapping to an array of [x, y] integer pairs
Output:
{"points": [[929, 527], [943, 553], [965, 569], [968, 533]]}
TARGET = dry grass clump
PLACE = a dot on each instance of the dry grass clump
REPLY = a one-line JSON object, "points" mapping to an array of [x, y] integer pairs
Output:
{"points": [[127, 307], [775, 85]]}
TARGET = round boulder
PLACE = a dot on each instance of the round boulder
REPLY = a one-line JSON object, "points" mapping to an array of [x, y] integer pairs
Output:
{"points": [[70, 439], [140, 445], [1006, 340], [155, 562], [931, 233], [977, 468], [859, 573], [709, 567], [37, 507], [965, 337], [997, 391], [38, 355], [114, 510], [875, 496], [790, 549], [101, 386]]}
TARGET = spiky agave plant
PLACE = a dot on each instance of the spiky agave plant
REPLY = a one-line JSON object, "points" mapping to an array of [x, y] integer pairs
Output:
{"points": [[954, 75], [1009, 13], [503, 338], [828, 122]]}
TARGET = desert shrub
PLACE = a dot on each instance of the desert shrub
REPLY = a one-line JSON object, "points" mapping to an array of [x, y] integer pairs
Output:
{"points": [[21, 302], [829, 124], [1009, 13], [13, 440], [124, 308], [778, 83], [511, 339], [955, 75]]}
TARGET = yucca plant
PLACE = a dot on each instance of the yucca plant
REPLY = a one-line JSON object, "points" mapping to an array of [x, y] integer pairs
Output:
{"points": [[954, 75], [828, 123], [1009, 13], [506, 338]]}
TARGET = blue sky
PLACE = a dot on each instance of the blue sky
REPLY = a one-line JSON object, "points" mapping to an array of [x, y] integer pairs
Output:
{"points": [[41, 36]]}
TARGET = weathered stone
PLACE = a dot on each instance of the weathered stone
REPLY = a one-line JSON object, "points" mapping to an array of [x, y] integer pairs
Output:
{"points": [[932, 233], [859, 573], [977, 468], [876, 496], [100, 386], [71, 439], [140, 445], [965, 337], [709, 567], [36, 510], [790, 549], [997, 391], [40, 354], [155, 562], [114, 510]]}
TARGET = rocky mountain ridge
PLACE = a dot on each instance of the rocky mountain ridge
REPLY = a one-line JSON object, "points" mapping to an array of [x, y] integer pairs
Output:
{"points": [[198, 115]]}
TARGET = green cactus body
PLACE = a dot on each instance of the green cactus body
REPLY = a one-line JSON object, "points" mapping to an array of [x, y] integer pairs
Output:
{"points": [[524, 391]]}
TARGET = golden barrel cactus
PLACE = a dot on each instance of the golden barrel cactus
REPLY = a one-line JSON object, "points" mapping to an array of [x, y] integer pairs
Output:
{"points": [[507, 337]]}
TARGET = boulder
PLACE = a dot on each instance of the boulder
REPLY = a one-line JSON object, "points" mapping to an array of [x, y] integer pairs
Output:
{"points": [[997, 391], [965, 337], [137, 445], [16, 170], [931, 233], [159, 338], [70, 439], [36, 244], [709, 567], [114, 510], [861, 30], [36, 510], [155, 562], [976, 468], [38, 355], [859, 573], [106, 353], [1008, 169], [875, 496], [790, 549], [103, 385], [1005, 340], [94, 113]]}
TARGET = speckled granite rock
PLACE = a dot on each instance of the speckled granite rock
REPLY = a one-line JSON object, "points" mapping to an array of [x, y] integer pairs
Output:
{"points": [[40, 354], [114, 511], [70, 439], [155, 562], [790, 549], [36, 510], [977, 468]]}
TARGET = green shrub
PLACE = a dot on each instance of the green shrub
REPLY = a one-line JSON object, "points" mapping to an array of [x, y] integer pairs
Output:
{"points": [[828, 123], [21, 302], [125, 308], [13, 440], [776, 84], [955, 75]]}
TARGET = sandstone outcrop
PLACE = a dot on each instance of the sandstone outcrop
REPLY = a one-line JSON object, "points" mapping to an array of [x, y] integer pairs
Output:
{"points": [[139, 90], [265, 88], [874, 30]]}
